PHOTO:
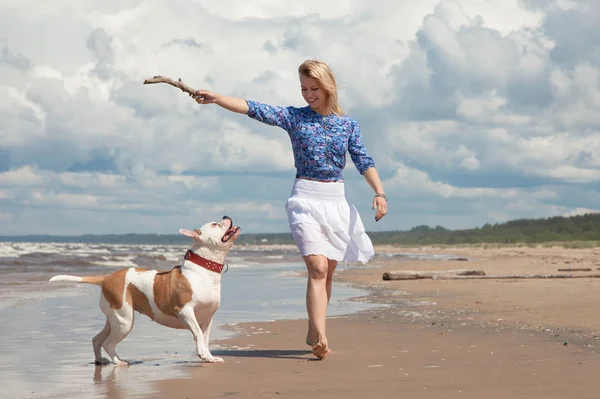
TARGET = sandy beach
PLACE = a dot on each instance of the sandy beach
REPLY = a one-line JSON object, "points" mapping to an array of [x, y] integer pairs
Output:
{"points": [[431, 338]]}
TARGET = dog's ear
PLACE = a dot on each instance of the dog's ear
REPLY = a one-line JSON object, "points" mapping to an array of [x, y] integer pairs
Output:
{"points": [[195, 234]]}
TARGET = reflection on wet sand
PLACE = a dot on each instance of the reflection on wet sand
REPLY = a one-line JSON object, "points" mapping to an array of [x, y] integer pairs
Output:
{"points": [[120, 382]]}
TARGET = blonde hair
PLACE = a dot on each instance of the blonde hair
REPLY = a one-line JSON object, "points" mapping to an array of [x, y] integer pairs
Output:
{"points": [[321, 72]]}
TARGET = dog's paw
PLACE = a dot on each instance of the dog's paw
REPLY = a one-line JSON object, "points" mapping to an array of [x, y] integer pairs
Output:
{"points": [[102, 362], [213, 359], [121, 363]]}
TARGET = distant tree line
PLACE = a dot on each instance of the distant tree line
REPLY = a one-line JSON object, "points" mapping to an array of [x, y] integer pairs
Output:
{"points": [[574, 228]]}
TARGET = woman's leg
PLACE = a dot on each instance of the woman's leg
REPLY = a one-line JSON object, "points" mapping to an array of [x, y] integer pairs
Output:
{"points": [[318, 292], [311, 336]]}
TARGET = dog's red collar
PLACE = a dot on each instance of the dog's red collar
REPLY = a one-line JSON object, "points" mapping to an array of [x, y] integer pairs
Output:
{"points": [[205, 263]]}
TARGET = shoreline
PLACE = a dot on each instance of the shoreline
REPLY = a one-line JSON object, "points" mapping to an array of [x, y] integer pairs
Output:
{"points": [[534, 324]]}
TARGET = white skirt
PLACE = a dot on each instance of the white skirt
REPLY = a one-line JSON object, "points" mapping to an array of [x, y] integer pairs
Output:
{"points": [[324, 223]]}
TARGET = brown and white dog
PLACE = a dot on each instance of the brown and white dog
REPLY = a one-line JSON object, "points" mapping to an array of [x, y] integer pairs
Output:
{"points": [[185, 297]]}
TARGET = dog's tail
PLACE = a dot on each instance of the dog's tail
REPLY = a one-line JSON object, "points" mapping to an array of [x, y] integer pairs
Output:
{"points": [[96, 280]]}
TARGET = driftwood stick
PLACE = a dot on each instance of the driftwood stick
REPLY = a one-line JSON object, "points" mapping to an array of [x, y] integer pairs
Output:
{"points": [[576, 270], [534, 276], [419, 275], [406, 276], [163, 79]]}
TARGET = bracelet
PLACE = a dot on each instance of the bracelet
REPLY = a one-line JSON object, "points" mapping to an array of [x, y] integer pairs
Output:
{"points": [[382, 195]]}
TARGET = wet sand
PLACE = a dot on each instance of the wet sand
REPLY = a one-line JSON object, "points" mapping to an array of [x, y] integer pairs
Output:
{"points": [[494, 338]]}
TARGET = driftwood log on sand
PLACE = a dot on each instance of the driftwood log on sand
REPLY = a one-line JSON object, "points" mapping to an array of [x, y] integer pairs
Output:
{"points": [[419, 275], [584, 269], [176, 83]]}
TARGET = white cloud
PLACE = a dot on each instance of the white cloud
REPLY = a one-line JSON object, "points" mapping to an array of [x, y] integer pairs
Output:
{"points": [[576, 175], [545, 194], [24, 176], [474, 111], [410, 181], [579, 211]]}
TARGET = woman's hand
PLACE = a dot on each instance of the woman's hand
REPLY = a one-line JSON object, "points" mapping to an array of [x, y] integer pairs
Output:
{"points": [[380, 203], [204, 97], [233, 104], [380, 200]]}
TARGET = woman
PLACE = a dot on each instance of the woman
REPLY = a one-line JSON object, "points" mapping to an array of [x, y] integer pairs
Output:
{"points": [[326, 228]]}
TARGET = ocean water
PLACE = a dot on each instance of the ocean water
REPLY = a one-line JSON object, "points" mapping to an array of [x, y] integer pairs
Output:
{"points": [[46, 328]]}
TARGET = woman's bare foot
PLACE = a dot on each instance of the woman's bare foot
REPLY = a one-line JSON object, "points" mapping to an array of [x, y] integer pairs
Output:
{"points": [[320, 350]]}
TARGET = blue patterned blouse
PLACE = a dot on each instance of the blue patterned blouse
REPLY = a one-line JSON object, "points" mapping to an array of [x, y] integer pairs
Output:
{"points": [[319, 142]]}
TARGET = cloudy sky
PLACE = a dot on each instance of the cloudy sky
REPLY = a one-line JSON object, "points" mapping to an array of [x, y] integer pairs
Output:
{"points": [[475, 111]]}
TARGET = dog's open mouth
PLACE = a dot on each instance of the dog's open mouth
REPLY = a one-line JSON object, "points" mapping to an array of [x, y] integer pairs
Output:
{"points": [[233, 230]]}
